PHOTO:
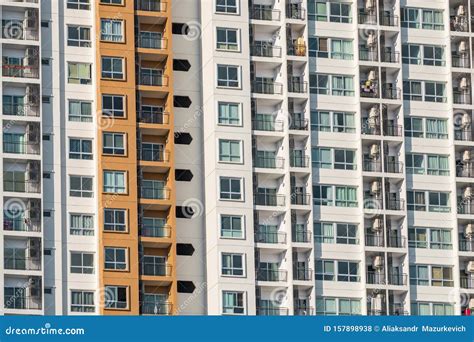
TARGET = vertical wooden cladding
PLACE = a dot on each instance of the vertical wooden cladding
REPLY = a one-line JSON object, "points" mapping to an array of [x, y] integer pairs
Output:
{"points": [[136, 56]]}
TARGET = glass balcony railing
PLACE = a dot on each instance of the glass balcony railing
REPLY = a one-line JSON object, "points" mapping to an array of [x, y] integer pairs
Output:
{"points": [[149, 307], [271, 275], [153, 266], [151, 5], [269, 200]]}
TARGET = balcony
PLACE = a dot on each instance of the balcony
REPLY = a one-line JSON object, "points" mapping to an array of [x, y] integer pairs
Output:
{"points": [[16, 147], [271, 275], [21, 71], [301, 235], [392, 130], [300, 161], [21, 186], [151, 40], [466, 245], [20, 224], [390, 57], [269, 162], [368, 55], [296, 48], [298, 198], [14, 259], [397, 279], [271, 311], [372, 240], [297, 123], [297, 85], [153, 152], [262, 12], [393, 167], [463, 134], [153, 266], [19, 301], [295, 11], [270, 236], [154, 192], [397, 242], [269, 200], [267, 125], [154, 228], [150, 5], [152, 79], [372, 165], [366, 18], [149, 307], [376, 278], [396, 205], [18, 29], [267, 87], [153, 117], [459, 23], [303, 274], [463, 98], [390, 92], [465, 171], [389, 20], [265, 49], [466, 282], [20, 109], [460, 61]]}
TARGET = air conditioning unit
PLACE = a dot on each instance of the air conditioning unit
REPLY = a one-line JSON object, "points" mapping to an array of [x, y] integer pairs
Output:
{"points": [[466, 156], [461, 11], [467, 193], [374, 151], [462, 48], [369, 5], [464, 84], [375, 187], [470, 267], [469, 231], [372, 75], [371, 40], [377, 225], [466, 120], [471, 303], [373, 116], [377, 262]]}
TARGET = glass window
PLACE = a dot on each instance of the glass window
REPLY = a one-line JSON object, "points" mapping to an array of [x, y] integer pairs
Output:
{"points": [[111, 30], [79, 73], [230, 151], [326, 306], [319, 84], [442, 276], [78, 36], [325, 270], [324, 232], [411, 54], [115, 258], [81, 224], [418, 238], [433, 55], [412, 91], [115, 220], [342, 85], [233, 302], [229, 114], [114, 182], [436, 129], [80, 186], [435, 92], [349, 307], [112, 67], [228, 76], [232, 264], [82, 301], [227, 39], [416, 200], [113, 105], [231, 226], [432, 20], [415, 164], [80, 111], [419, 275], [79, 4], [322, 158], [82, 262], [323, 195], [230, 188], [80, 149], [348, 271], [438, 165], [346, 234], [227, 6], [439, 202], [344, 159], [116, 297], [414, 127], [113, 143], [340, 13], [346, 196], [440, 239]]}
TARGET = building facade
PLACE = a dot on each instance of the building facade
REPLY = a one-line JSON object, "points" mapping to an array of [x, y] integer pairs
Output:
{"points": [[225, 157]]}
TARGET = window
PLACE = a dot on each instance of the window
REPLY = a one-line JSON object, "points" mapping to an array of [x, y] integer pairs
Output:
{"points": [[113, 105], [348, 271], [229, 114], [231, 226], [82, 262], [329, 11], [327, 121], [113, 143], [415, 164], [325, 270], [338, 159], [233, 302], [230, 188], [429, 164], [114, 182], [326, 306], [424, 91], [81, 224], [336, 85], [349, 307], [324, 232], [428, 128], [116, 297], [432, 238], [338, 306], [331, 48], [79, 36], [416, 201], [80, 111], [418, 18], [115, 258], [112, 67], [112, 2], [227, 6], [230, 151], [439, 202], [115, 220], [228, 76], [232, 264], [80, 149], [80, 186], [435, 92], [428, 275], [82, 301], [423, 54], [322, 158], [431, 309], [79, 73], [111, 30], [412, 91], [79, 4], [227, 39]]}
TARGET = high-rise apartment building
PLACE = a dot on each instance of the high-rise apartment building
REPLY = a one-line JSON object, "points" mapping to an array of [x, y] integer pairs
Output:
{"points": [[261, 157]]}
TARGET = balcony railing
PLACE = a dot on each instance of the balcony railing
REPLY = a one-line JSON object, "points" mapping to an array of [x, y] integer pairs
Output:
{"points": [[21, 147], [267, 125], [391, 130], [368, 55], [297, 124], [153, 80], [367, 18], [462, 97], [391, 93], [151, 5], [396, 205], [271, 275], [295, 11], [460, 61], [155, 308], [371, 129], [372, 240], [270, 237], [155, 231], [393, 167], [22, 263], [272, 311], [303, 274], [269, 162], [372, 166], [20, 71], [151, 117], [301, 236], [466, 245], [389, 20], [20, 110], [267, 87], [150, 268], [304, 311], [376, 278], [299, 161], [269, 200], [263, 13], [397, 242], [397, 279], [156, 155], [459, 23], [155, 193], [390, 57], [298, 198], [297, 86], [467, 282], [466, 171], [19, 224], [466, 208], [265, 50], [464, 134], [21, 302], [22, 186], [147, 42]]}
